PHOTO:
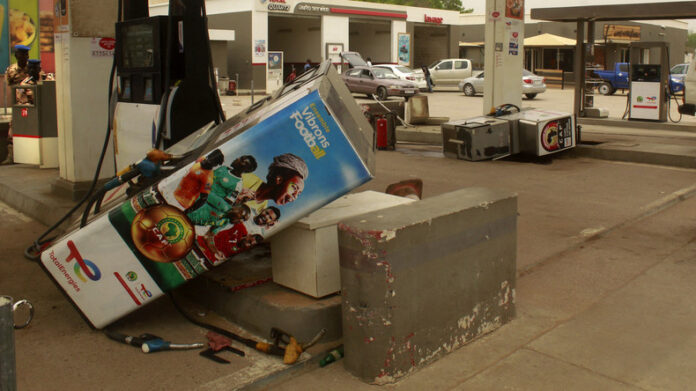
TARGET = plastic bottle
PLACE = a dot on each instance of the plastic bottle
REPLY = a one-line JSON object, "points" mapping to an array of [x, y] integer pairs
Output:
{"points": [[333, 355]]}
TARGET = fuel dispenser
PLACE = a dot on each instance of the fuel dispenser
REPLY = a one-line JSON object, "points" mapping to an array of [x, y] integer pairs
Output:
{"points": [[34, 124], [166, 83], [648, 83], [274, 71]]}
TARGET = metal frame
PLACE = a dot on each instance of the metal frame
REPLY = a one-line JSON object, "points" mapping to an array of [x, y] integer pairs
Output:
{"points": [[591, 14]]}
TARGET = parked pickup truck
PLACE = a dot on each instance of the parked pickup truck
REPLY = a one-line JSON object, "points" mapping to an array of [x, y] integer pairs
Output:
{"points": [[617, 79], [450, 71]]}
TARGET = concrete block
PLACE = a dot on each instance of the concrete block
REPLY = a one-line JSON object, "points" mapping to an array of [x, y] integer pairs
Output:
{"points": [[422, 279]]}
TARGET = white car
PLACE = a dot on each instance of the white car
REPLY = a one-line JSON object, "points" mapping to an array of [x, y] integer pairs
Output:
{"points": [[531, 84], [408, 74]]}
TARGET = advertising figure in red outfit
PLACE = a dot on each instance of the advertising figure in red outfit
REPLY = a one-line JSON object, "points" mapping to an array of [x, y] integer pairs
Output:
{"points": [[198, 182]]}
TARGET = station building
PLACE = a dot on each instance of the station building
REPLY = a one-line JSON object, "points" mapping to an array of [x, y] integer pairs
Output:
{"points": [[244, 31]]}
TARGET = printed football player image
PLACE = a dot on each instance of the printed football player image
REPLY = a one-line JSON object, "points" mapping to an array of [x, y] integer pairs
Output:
{"points": [[199, 180], [284, 183], [227, 182], [220, 244]]}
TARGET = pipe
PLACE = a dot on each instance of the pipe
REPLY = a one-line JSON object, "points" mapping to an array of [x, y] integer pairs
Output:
{"points": [[8, 371]]}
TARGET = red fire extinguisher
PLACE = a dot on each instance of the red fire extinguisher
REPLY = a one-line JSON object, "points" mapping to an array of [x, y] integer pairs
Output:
{"points": [[381, 128]]}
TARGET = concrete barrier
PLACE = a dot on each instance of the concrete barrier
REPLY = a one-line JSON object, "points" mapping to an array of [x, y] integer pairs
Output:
{"points": [[422, 279]]}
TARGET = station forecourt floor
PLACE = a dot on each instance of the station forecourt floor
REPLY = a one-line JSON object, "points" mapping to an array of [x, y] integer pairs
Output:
{"points": [[606, 261]]}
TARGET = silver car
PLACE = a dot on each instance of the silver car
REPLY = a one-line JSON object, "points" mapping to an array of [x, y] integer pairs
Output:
{"points": [[531, 84]]}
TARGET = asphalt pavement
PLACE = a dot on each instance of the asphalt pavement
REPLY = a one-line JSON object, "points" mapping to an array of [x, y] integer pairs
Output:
{"points": [[606, 261]]}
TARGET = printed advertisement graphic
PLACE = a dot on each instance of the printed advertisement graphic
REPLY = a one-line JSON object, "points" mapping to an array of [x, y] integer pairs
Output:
{"points": [[46, 30], [404, 40], [4, 41], [514, 9], [260, 48], [23, 22], [60, 16], [99, 272], [264, 179]]}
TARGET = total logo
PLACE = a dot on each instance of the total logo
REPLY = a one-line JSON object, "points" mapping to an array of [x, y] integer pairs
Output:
{"points": [[84, 268]]}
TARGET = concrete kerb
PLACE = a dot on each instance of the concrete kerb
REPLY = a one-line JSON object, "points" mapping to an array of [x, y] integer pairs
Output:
{"points": [[636, 124], [644, 212]]}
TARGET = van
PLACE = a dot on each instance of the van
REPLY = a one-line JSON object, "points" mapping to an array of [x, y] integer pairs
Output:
{"points": [[450, 71]]}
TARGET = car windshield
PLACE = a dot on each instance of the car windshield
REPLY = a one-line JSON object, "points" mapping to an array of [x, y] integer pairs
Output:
{"points": [[404, 69], [433, 64], [383, 73], [527, 73]]}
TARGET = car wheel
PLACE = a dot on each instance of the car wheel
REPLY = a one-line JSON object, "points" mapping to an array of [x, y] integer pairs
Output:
{"points": [[530, 96], [382, 93], [469, 90], [606, 89]]}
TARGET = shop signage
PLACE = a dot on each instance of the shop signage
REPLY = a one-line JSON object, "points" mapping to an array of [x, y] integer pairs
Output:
{"points": [[619, 32], [432, 19], [276, 5], [324, 9]]}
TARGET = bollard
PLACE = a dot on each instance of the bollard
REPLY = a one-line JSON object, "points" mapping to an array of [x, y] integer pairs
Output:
{"points": [[8, 372]]}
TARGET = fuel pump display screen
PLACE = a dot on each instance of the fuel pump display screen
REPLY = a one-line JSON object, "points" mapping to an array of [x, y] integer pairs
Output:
{"points": [[138, 46]]}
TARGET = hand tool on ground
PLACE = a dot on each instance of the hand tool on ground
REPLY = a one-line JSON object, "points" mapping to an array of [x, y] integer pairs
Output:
{"points": [[217, 343], [158, 345], [129, 339], [292, 349]]}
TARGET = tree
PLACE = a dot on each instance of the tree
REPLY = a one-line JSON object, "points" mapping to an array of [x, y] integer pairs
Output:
{"points": [[691, 41], [454, 5]]}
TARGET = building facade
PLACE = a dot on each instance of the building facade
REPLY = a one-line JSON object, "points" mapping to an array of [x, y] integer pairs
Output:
{"points": [[316, 30]]}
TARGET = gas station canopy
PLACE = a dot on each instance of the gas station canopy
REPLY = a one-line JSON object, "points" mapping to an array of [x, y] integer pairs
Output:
{"points": [[596, 13], [642, 11]]}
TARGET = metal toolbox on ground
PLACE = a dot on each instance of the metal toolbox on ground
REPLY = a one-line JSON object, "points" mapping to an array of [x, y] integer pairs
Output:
{"points": [[478, 138], [310, 144]]}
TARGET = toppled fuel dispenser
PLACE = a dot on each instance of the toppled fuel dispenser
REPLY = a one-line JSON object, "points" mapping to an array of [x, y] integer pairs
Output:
{"points": [[530, 132], [240, 183]]}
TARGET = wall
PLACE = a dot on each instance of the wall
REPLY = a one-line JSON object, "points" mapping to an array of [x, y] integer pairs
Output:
{"points": [[298, 37], [430, 43], [218, 51], [371, 38], [334, 29], [238, 52]]}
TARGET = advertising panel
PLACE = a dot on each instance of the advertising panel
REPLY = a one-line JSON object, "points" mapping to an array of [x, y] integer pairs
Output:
{"points": [[514, 9], [23, 22], [60, 16], [616, 32], [46, 44], [4, 39], [293, 161], [404, 44]]}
